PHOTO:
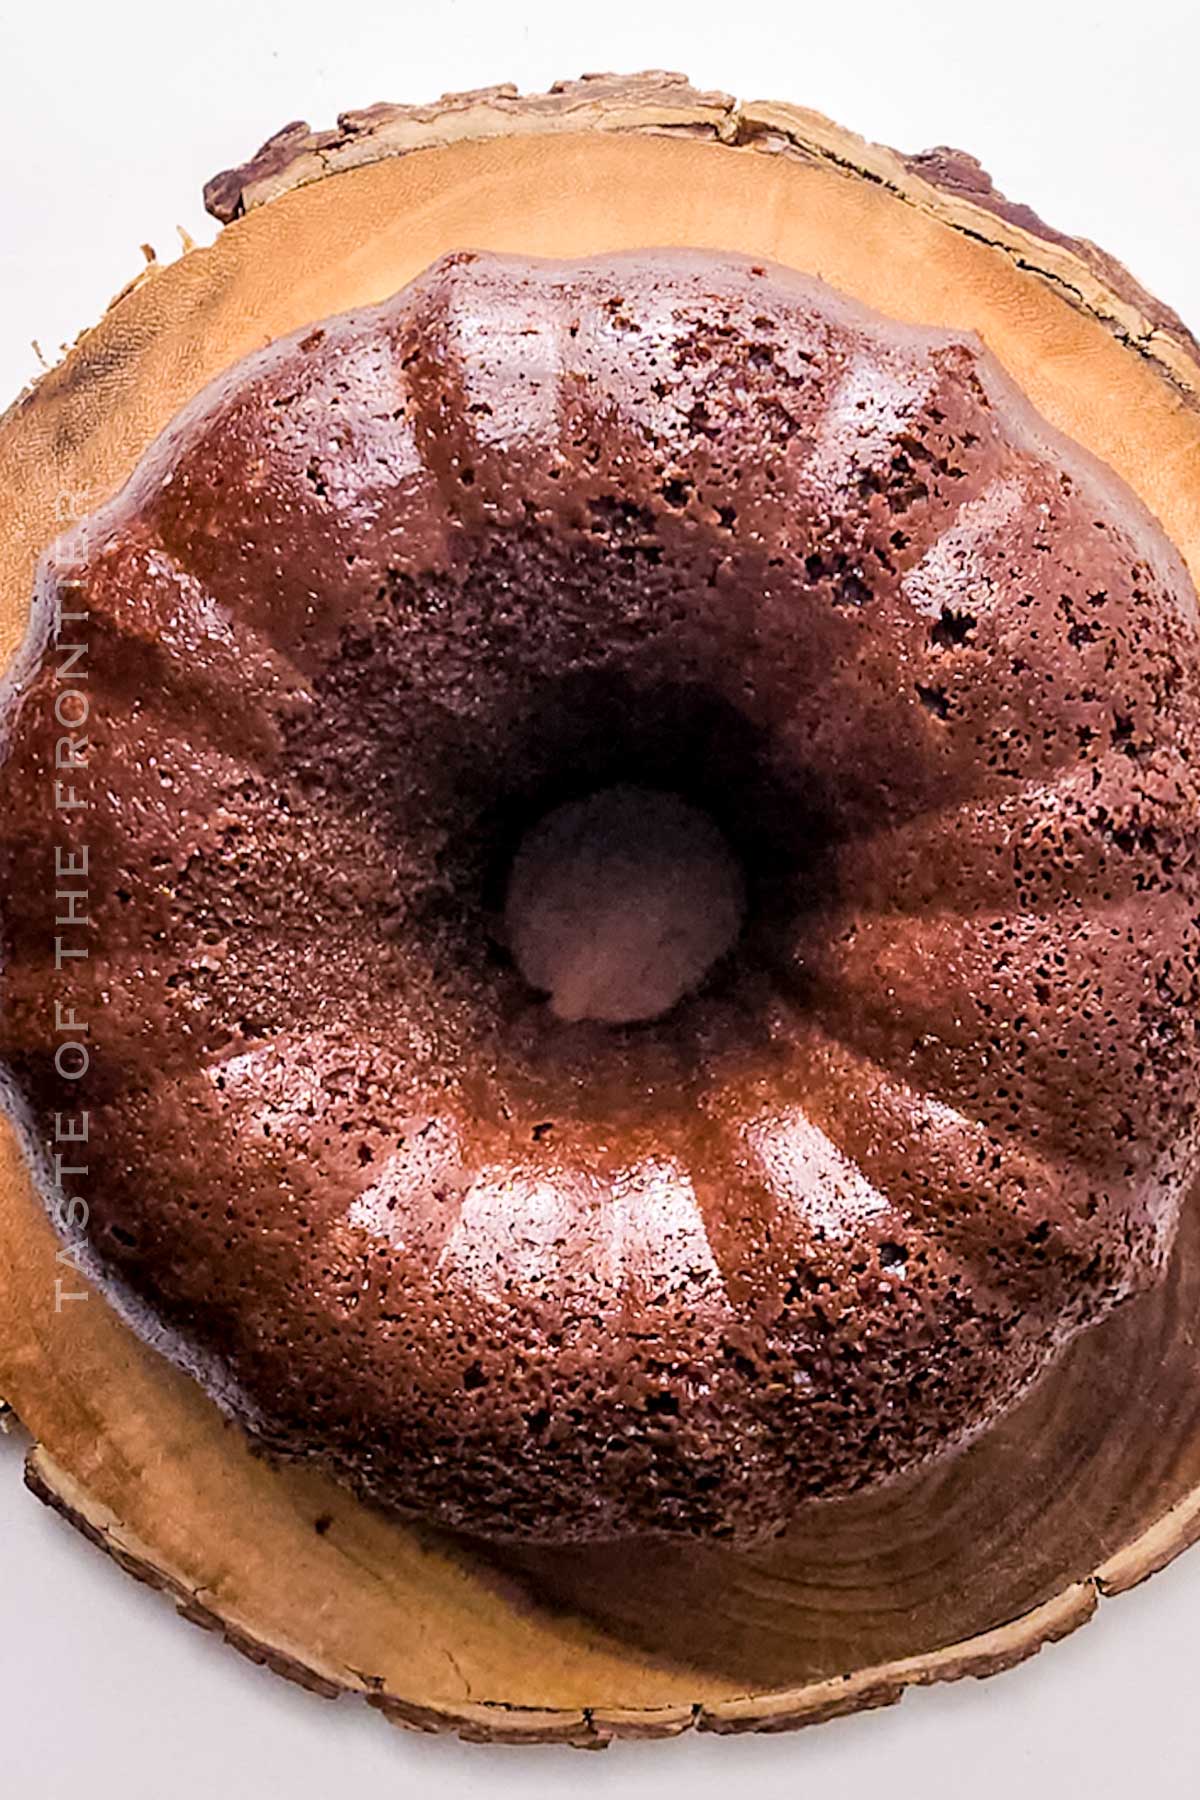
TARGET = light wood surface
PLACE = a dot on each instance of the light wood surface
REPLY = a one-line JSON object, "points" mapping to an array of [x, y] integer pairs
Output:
{"points": [[1088, 1487]]}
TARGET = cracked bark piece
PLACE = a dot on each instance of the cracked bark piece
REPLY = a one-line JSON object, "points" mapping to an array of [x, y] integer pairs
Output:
{"points": [[1094, 1482]]}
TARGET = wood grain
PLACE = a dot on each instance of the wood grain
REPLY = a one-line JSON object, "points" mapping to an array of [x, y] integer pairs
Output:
{"points": [[1095, 1481]]}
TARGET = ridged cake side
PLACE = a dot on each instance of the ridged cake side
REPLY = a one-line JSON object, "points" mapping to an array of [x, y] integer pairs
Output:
{"points": [[400, 584]]}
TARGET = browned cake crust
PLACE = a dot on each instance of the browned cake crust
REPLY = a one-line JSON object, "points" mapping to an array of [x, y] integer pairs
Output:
{"points": [[397, 586]]}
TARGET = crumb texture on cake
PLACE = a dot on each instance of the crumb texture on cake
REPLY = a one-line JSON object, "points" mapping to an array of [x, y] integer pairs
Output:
{"points": [[398, 587]]}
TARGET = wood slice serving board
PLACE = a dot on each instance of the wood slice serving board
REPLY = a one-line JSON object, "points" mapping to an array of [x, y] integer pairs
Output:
{"points": [[1089, 1486]]}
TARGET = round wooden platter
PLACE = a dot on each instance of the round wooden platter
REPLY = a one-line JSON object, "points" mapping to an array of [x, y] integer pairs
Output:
{"points": [[1092, 1484]]}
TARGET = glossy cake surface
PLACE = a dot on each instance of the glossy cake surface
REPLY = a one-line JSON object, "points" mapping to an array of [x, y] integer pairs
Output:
{"points": [[399, 586]]}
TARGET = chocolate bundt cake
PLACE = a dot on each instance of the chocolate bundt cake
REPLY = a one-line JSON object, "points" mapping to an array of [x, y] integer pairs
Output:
{"points": [[638, 828]]}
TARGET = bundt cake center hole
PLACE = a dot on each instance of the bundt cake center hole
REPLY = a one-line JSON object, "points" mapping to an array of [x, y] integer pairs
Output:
{"points": [[620, 903]]}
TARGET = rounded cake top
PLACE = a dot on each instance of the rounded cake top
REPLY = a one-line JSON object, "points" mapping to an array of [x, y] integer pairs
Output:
{"points": [[399, 591]]}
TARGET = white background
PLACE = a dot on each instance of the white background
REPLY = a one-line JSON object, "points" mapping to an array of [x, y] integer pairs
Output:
{"points": [[111, 118]]}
